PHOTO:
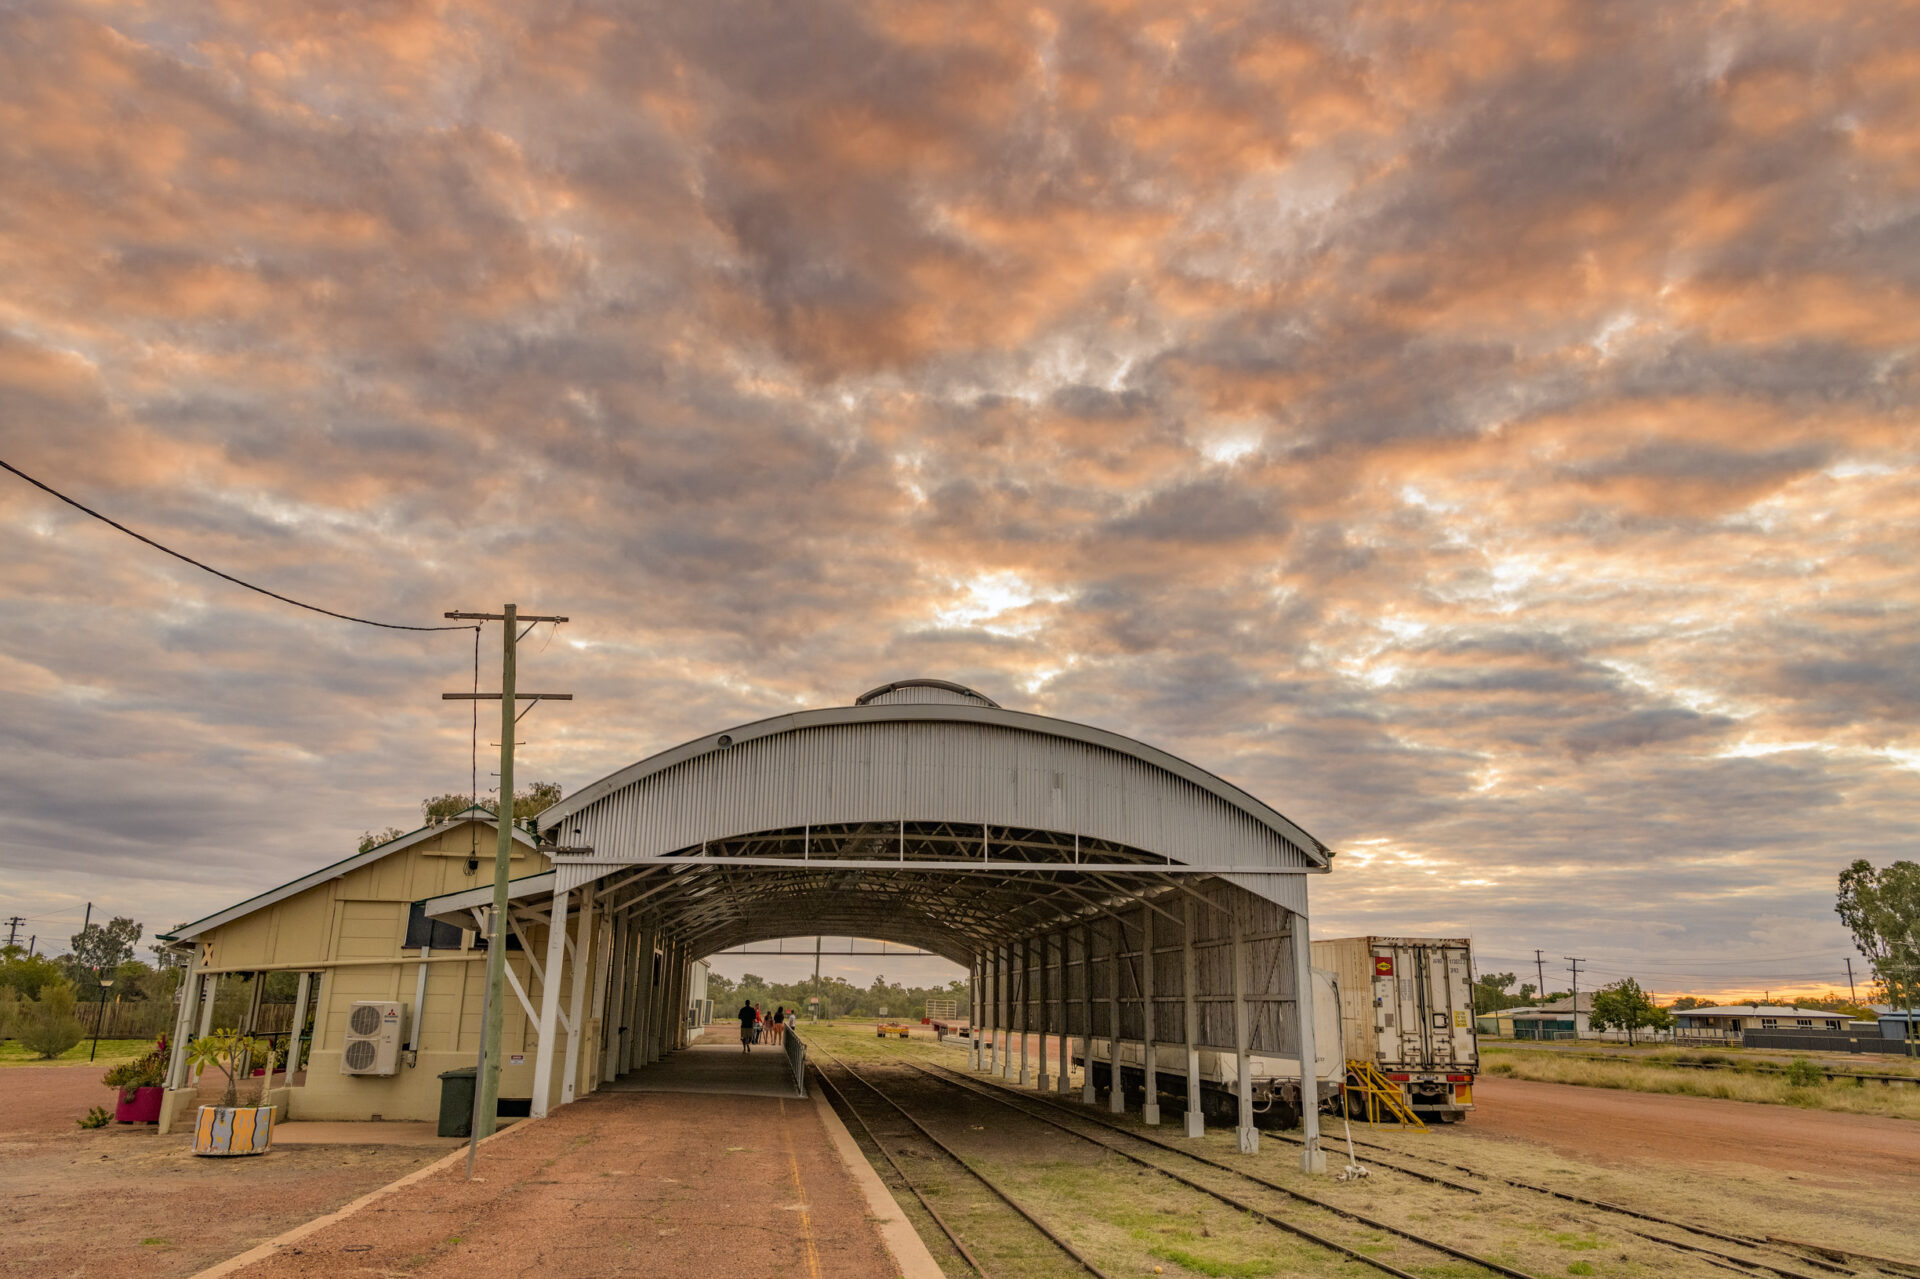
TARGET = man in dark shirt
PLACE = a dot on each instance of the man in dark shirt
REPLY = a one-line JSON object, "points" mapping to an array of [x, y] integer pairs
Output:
{"points": [[748, 1016]]}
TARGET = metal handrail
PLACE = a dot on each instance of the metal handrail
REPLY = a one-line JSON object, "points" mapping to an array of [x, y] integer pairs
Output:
{"points": [[796, 1058]]}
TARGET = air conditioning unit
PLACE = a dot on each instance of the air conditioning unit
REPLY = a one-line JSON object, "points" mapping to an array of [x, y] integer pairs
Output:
{"points": [[373, 1038]]}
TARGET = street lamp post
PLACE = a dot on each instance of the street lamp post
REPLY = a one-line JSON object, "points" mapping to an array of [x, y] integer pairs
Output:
{"points": [[99, 1015]]}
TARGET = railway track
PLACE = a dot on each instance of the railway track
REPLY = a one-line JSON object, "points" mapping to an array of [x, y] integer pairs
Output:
{"points": [[1288, 1225], [919, 1187], [1713, 1256]]}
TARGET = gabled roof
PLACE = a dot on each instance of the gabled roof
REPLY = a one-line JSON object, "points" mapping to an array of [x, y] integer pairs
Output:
{"points": [[338, 869]]}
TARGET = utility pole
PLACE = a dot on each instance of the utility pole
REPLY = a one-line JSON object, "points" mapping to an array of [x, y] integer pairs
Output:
{"points": [[817, 1010], [88, 921], [1852, 994], [1540, 969], [1576, 991], [13, 935], [486, 1102]]}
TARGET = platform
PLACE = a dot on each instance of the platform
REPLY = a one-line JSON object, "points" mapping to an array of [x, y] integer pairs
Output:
{"points": [[714, 1068]]}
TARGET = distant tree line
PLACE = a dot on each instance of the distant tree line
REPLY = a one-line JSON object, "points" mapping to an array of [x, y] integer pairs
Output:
{"points": [[839, 997], [41, 998]]}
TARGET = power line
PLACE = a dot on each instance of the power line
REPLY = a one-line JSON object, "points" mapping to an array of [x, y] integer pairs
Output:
{"points": [[188, 559]]}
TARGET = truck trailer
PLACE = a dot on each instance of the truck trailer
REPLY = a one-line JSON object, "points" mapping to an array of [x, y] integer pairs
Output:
{"points": [[1406, 1009]]}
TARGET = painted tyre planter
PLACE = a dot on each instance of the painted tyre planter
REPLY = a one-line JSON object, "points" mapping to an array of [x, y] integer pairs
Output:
{"points": [[139, 1105], [233, 1130]]}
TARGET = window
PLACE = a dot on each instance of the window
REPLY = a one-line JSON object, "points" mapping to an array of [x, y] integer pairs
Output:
{"points": [[422, 931], [1805, 1023], [1769, 1023], [1833, 1025]]}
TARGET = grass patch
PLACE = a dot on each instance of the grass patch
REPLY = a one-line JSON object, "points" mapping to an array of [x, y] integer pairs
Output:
{"points": [[1208, 1265], [1764, 1082], [112, 1053], [1579, 1268]]}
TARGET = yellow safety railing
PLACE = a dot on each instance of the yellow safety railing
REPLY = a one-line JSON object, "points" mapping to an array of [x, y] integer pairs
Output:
{"points": [[1379, 1095]]}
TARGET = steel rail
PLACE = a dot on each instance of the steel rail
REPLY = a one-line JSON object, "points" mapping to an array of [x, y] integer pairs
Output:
{"points": [[1000, 1095], [885, 1154], [1607, 1206], [977, 1175]]}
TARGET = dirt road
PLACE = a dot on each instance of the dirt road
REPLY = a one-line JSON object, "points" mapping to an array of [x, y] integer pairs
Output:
{"points": [[1611, 1126], [122, 1202]]}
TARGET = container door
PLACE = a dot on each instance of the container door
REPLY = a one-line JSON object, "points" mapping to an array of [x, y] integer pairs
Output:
{"points": [[1414, 1048], [1386, 1005], [1458, 981]]}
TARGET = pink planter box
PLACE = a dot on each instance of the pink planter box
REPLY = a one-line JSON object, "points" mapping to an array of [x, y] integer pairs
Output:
{"points": [[139, 1105]]}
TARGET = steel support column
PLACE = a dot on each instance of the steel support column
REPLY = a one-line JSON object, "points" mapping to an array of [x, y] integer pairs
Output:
{"points": [[1196, 1119], [550, 1004], [1040, 1008], [1150, 1111], [1312, 1158], [1023, 990], [1116, 1091], [1086, 1025], [1242, 1033], [577, 1003], [973, 1012], [1062, 1080]]}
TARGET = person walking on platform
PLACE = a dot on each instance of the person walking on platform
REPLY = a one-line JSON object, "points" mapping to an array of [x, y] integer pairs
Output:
{"points": [[748, 1016], [779, 1024], [759, 1023]]}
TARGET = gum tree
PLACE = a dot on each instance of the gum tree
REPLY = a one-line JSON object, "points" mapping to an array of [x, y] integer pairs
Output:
{"points": [[1881, 908]]}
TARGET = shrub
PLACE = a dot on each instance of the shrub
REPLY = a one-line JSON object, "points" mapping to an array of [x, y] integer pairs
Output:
{"points": [[1802, 1073], [148, 1072], [97, 1117], [49, 1026], [225, 1050]]}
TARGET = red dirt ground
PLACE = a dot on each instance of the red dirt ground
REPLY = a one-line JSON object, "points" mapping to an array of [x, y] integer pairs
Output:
{"points": [[1612, 1126], [620, 1184], [79, 1203]]}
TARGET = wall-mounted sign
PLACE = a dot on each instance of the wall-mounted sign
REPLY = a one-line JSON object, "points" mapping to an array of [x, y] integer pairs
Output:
{"points": [[1383, 965]]}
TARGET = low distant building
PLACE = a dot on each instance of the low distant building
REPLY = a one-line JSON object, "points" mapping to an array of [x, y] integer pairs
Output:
{"points": [[1733, 1020], [1498, 1024], [1894, 1022], [1559, 1020]]}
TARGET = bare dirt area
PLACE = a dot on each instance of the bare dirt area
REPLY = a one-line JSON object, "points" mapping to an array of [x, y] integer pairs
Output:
{"points": [[619, 1184], [122, 1202], [1606, 1124]]}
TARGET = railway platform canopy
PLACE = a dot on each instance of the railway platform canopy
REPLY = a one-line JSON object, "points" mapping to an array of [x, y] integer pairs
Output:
{"points": [[1096, 889]]}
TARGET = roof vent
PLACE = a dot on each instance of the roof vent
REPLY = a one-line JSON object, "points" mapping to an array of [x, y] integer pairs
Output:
{"points": [[924, 690]]}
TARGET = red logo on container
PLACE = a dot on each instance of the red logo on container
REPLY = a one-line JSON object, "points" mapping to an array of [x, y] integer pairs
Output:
{"points": [[1383, 966]]}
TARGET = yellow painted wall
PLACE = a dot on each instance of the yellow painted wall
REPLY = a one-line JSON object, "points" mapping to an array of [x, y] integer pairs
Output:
{"points": [[350, 930]]}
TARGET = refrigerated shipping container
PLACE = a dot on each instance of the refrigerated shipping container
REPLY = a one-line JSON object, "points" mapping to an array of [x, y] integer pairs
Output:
{"points": [[1406, 1006]]}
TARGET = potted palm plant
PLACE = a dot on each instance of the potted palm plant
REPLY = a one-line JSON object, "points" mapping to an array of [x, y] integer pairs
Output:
{"points": [[139, 1083], [230, 1128]]}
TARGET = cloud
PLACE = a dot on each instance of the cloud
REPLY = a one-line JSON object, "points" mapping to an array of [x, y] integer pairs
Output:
{"points": [[1483, 432]]}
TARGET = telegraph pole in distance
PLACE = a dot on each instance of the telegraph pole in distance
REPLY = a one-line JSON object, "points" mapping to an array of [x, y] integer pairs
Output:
{"points": [[1576, 991], [13, 935], [486, 1101], [1852, 994], [1540, 969]]}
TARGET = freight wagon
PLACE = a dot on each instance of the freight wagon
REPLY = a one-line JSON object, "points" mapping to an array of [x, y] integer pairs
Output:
{"points": [[1406, 1008]]}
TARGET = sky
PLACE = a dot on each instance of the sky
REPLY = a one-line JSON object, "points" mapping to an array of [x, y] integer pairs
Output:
{"points": [[1483, 431]]}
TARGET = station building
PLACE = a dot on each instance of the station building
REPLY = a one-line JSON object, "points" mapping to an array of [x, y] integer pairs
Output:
{"points": [[1096, 888]]}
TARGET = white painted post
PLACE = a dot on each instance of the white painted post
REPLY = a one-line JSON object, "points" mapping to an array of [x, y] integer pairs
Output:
{"points": [[1312, 1158], [1007, 1013], [299, 1024], [1249, 1136], [1040, 1008], [211, 989], [973, 1013], [616, 1000], [1062, 1080], [1196, 1118], [641, 995], [419, 1002], [577, 1005], [1023, 990], [1086, 1012], [550, 1003], [1116, 1089], [190, 987], [1150, 1112]]}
